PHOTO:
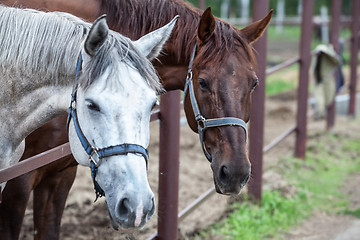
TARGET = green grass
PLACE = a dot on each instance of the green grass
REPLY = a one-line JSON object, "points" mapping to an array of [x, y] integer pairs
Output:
{"points": [[278, 86], [355, 213], [288, 33], [317, 181], [251, 221], [282, 81]]}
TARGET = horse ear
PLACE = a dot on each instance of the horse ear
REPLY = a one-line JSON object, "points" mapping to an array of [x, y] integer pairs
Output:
{"points": [[151, 44], [97, 35], [206, 26], [253, 31]]}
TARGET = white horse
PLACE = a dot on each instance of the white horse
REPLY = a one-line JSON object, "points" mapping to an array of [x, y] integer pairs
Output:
{"points": [[113, 98]]}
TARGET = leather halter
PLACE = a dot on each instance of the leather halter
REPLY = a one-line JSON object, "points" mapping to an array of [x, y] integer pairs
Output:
{"points": [[95, 154], [202, 122]]}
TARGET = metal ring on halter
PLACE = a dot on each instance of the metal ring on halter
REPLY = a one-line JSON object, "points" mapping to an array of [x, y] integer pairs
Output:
{"points": [[201, 121], [95, 151], [190, 75]]}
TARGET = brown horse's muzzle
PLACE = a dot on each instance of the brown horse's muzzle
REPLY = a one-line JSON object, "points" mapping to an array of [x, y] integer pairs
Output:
{"points": [[230, 163], [229, 178]]}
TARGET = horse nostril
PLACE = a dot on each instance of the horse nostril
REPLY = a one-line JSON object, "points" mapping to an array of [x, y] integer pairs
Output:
{"points": [[223, 175], [124, 208], [245, 181], [152, 209]]}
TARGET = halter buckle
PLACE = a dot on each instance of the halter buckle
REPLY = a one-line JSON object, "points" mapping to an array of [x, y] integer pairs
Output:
{"points": [[91, 156], [73, 104], [201, 122], [189, 75]]}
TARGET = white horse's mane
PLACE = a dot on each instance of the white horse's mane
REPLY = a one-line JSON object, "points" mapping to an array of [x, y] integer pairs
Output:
{"points": [[46, 45]]}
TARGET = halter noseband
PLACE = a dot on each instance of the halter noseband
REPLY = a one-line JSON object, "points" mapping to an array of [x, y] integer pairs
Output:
{"points": [[95, 154], [202, 122]]}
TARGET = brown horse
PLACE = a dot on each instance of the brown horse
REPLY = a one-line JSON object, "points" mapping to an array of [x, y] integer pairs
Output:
{"points": [[223, 72]]}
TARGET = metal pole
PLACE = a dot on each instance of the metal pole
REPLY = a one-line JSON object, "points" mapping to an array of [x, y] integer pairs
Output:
{"points": [[260, 9], [34, 162], [202, 198], [354, 55], [334, 40], [279, 139], [169, 166], [305, 59], [201, 4]]}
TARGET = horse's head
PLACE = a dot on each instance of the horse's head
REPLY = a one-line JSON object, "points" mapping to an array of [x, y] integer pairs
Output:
{"points": [[116, 92], [224, 76]]}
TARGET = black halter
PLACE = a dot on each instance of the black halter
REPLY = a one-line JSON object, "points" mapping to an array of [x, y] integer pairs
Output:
{"points": [[202, 122], [95, 154]]}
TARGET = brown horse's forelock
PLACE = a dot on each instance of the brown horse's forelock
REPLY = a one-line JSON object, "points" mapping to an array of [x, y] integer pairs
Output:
{"points": [[224, 41], [227, 39]]}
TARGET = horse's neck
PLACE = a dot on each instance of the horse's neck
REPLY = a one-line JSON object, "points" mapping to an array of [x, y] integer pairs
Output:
{"points": [[38, 59], [173, 64], [172, 76], [23, 110]]}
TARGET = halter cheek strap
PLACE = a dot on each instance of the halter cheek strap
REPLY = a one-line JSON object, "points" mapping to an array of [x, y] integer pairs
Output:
{"points": [[95, 154], [202, 122]]}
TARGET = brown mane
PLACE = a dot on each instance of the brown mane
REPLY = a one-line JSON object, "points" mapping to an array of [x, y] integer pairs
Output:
{"points": [[135, 18]]}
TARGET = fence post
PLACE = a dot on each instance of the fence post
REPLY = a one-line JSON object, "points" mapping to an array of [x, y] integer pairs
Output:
{"points": [[169, 166], [334, 40], [260, 9], [354, 55], [201, 4], [305, 60]]}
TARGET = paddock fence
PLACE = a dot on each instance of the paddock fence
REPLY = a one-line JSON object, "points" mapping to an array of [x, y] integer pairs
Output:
{"points": [[169, 114]]}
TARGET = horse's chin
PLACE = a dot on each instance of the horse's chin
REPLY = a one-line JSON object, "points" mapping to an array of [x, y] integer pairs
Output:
{"points": [[127, 231], [120, 229], [222, 190], [219, 190]]}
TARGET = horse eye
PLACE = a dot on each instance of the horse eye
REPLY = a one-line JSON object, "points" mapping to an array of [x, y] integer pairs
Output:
{"points": [[203, 83], [93, 106], [256, 82]]}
